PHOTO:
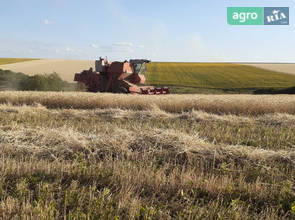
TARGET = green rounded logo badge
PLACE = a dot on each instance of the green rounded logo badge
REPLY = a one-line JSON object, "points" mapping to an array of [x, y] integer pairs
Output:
{"points": [[245, 15], [258, 15]]}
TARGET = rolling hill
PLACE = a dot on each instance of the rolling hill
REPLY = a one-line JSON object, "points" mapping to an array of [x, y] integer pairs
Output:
{"points": [[193, 77], [180, 77], [4, 61]]}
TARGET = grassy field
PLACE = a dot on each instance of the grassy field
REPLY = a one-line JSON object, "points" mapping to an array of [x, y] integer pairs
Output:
{"points": [[4, 61], [215, 77], [106, 156]]}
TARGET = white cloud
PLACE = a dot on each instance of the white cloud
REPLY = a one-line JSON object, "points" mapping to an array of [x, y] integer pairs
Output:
{"points": [[47, 21], [123, 44], [118, 47], [69, 49], [94, 46]]}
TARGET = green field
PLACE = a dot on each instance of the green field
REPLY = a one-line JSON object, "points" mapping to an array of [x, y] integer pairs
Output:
{"points": [[215, 77], [4, 61]]}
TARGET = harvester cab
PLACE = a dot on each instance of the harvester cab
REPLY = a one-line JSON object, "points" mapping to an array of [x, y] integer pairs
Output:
{"points": [[100, 65], [118, 77], [139, 65]]}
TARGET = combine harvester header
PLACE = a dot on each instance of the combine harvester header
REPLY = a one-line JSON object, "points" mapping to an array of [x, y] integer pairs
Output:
{"points": [[118, 77]]}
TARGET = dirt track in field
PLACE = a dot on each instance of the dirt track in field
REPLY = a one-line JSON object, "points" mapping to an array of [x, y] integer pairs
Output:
{"points": [[64, 68], [284, 68]]}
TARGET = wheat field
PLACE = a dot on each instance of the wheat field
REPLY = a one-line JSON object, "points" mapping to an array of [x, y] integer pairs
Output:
{"points": [[66, 69], [280, 67], [105, 156]]}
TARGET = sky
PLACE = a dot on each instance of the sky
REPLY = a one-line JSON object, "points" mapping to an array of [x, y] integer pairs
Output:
{"points": [[160, 30]]}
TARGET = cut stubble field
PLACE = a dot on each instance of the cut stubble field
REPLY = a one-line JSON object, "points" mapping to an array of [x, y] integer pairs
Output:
{"points": [[107, 156], [280, 67]]}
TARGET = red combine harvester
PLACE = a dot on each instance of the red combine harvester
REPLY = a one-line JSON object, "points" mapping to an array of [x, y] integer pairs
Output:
{"points": [[118, 77]]}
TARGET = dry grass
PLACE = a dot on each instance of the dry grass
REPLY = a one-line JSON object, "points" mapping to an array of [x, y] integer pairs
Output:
{"points": [[217, 104], [148, 158]]}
